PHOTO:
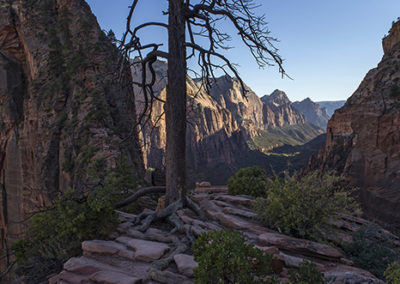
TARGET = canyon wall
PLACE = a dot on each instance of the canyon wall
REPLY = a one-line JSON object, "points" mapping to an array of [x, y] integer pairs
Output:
{"points": [[61, 107], [363, 137]]}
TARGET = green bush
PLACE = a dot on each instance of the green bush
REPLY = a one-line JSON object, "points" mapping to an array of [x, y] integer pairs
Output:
{"points": [[224, 257], [370, 250], [248, 181], [392, 273], [56, 233], [301, 206], [306, 274]]}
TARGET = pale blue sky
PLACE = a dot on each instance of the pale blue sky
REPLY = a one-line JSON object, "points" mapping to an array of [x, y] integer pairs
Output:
{"points": [[328, 45]]}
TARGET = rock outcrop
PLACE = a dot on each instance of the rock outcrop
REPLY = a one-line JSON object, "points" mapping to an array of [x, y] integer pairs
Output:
{"points": [[221, 123], [313, 112], [61, 108], [283, 109], [130, 256], [363, 137]]}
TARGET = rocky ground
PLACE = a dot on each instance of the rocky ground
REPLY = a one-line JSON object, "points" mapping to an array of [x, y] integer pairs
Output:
{"points": [[130, 256]]}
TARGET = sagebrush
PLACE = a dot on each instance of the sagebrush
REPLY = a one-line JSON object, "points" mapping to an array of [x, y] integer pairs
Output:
{"points": [[224, 257], [392, 273], [248, 181], [302, 205]]}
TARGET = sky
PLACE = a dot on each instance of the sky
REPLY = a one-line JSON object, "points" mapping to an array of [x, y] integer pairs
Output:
{"points": [[328, 46]]}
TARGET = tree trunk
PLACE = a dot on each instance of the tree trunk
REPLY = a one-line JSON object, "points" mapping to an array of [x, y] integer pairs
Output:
{"points": [[175, 106]]}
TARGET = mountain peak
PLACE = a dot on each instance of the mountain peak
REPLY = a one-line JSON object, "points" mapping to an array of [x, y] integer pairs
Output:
{"points": [[277, 98], [392, 39]]}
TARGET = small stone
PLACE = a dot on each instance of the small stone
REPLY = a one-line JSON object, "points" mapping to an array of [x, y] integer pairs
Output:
{"points": [[185, 264], [269, 250], [204, 184], [291, 261], [161, 203]]}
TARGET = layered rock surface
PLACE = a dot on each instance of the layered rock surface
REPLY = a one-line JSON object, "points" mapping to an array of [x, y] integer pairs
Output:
{"points": [[363, 137], [122, 262], [60, 106]]}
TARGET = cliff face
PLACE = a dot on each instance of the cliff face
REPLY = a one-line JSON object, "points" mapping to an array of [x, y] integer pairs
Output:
{"points": [[313, 112], [363, 136], [60, 109], [282, 109], [221, 123]]}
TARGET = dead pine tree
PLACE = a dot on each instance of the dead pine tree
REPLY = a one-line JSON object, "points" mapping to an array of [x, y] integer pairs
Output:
{"points": [[190, 23]]}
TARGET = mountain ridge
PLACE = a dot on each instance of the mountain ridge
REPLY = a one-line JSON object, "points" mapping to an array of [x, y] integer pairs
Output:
{"points": [[221, 126]]}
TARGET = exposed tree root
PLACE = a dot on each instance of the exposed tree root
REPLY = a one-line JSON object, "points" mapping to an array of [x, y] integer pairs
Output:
{"points": [[169, 214], [140, 193]]}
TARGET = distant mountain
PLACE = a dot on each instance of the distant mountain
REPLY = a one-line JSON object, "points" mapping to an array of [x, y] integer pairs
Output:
{"points": [[283, 109], [313, 112], [331, 106], [226, 130], [277, 98]]}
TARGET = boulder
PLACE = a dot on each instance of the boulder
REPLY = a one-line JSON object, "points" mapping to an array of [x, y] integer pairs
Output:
{"points": [[185, 264]]}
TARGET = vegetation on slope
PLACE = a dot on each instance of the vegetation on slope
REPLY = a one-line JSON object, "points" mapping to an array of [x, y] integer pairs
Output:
{"points": [[56, 233], [288, 135], [302, 206], [370, 251], [249, 181]]}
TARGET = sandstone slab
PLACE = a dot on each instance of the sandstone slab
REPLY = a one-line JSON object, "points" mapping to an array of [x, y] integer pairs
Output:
{"points": [[145, 250], [300, 246], [107, 247], [238, 200], [111, 277], [348, 274], [87, 266]]}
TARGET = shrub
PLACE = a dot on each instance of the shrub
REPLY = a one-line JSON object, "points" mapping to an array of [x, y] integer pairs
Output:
{"points": [[301, 206], [392, 273], [248, 181], [224, 257], [56, 233], [306, 274], [371, 251]]}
